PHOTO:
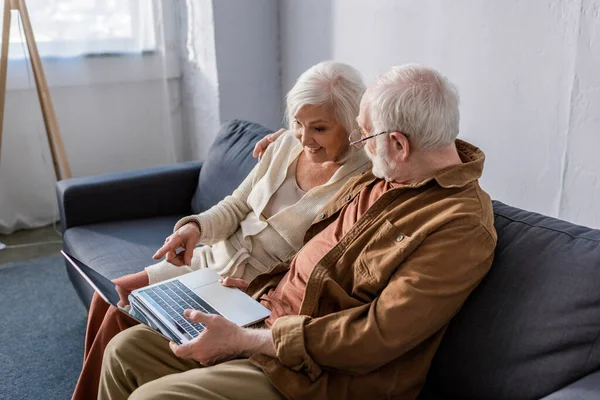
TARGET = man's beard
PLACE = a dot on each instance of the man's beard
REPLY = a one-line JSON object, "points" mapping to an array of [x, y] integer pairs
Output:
{"points": [[382, 168]]}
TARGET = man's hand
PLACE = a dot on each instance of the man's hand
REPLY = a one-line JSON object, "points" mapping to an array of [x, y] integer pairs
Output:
{"points": [[128, 283], [222, 340], [263, 143], [187, 236]]}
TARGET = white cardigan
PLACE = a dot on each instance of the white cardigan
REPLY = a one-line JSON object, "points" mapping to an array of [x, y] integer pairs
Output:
{"points": [[239, 241]]}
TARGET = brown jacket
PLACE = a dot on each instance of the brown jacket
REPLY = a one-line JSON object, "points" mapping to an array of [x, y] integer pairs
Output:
{"points": [[377, 305]]}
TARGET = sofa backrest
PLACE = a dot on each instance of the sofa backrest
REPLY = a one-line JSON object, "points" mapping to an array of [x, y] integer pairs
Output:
{"points": [[228, 162], [533, 324]]}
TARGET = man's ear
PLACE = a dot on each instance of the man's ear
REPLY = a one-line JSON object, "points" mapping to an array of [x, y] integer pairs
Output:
{"points": [[400, 145]]}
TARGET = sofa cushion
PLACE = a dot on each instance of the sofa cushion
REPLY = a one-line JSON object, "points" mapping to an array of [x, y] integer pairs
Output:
{"points": [[228, 162], [532, 326], [116, 248]]}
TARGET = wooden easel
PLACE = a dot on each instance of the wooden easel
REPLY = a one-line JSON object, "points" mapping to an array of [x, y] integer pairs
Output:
{"points": [[59, 158]]}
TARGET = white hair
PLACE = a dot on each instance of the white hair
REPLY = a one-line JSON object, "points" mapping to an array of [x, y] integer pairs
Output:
{"points": [[417, 101], [329, 82]]}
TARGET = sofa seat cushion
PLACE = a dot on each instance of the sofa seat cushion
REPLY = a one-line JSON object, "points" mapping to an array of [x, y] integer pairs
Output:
{"points": [[228, 162], [532, 326], [118, 248], [115, 248]]}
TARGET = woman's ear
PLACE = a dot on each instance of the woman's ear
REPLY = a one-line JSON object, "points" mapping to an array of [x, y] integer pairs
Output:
{"points": [[400, 145]]}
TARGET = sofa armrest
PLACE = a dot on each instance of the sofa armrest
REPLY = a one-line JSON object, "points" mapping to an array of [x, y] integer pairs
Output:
{"points": [[586, 388], [151, 192]]}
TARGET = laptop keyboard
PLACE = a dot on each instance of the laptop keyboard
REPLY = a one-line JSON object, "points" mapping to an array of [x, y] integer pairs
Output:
{"points": [[174, 297]]}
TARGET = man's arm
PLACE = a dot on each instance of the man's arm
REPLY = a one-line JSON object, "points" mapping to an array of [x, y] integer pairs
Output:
{"points": [[258, 341], [425, 292], [262, 144]]}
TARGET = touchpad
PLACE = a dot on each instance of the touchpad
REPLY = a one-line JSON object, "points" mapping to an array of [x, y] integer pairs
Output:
{"points": [[233, 304], [199, 278]]}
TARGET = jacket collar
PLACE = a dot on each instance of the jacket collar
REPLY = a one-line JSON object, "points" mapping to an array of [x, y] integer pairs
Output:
{"points": [[462, 174], [452, 177]]}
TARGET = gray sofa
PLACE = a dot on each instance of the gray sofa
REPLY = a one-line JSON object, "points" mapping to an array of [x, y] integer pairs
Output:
{"points": [[530, 330]]}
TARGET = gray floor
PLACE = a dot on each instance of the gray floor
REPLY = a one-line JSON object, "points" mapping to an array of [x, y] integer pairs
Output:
{"points": [[41, 342], [29, 244]]}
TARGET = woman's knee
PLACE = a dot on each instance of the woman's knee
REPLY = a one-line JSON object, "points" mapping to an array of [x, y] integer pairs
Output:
{"points": [[114, 315], [97, 305]]}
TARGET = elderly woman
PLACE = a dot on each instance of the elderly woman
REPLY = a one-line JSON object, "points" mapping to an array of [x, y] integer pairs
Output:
{"points": [[264, 220]]}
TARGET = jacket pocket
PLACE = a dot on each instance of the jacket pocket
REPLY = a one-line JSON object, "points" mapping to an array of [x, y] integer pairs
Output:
{"points": [[382, 256]]}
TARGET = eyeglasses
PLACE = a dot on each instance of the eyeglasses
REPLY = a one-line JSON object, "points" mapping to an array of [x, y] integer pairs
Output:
{"points": [[357, 140]]}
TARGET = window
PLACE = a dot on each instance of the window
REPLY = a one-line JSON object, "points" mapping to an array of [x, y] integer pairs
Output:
{"points": [[73, 28]]}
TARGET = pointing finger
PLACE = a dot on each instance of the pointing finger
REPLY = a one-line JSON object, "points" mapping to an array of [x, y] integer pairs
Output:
{"points": [[173, 258], [170, 245]]}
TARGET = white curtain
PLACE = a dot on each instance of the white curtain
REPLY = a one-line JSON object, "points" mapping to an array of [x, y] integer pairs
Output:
{"points": [[114, 73], [200, 92]]}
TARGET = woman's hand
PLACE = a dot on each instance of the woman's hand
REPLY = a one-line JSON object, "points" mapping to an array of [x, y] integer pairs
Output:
{"points": [[235, 283], [261, 146], [185, 237], [128, 283]]}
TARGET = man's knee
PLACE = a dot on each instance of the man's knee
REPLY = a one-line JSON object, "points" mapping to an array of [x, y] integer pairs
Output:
{"points": [[154, 390], [184, 385], [125, 345], [145, 392], [234, 379]]}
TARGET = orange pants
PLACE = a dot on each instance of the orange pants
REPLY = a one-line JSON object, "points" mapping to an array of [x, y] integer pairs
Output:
{"points": [[104, 322]]}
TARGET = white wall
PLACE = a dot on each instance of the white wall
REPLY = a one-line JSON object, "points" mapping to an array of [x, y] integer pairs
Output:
{"points": [[247, 49], [528, 74], [230, 67], [580, 194]]}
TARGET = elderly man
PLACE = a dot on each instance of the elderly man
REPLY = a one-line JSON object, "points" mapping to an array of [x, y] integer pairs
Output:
{"points": [[360, 311]]}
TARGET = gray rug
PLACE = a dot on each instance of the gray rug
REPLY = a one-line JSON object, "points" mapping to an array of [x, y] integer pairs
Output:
{"points": [[41, 331]]}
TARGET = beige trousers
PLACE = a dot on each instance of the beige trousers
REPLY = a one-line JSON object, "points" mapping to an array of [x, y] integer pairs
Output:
{"points": [[138, 364]]}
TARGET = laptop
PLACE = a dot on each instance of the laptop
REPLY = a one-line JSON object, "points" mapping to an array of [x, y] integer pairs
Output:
{"points": [[161, 306]]}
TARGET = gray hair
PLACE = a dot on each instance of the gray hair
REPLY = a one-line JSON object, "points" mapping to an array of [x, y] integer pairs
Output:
{"points": [[329, 82], [417, 101]]}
